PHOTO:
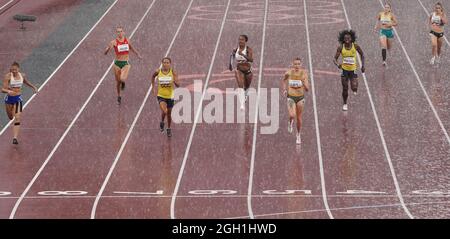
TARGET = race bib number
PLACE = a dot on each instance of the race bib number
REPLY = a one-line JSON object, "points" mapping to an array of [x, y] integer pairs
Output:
{"points": [[164, 81], [295, 83], [123, 47], [349, 60]]}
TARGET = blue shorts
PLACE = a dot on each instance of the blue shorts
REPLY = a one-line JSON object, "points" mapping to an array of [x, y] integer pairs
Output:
{"points": [[13, 99], [389, 33], [169, 102]]}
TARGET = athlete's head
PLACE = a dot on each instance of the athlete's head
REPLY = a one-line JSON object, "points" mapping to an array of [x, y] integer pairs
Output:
{"points": [[387, 7], [14, 68], [119, 31], [438, 7], [243, 40], [166, 62], [297, 63], [347, 36]]}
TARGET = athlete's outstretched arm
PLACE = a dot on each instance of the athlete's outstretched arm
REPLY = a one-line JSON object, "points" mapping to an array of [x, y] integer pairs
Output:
{"points": [[249, 54], [444, 18], [134, 50], [336, 56], [28, 83], [5, 88], [175, 78], [377, 24], [358, 48], [394, 21], [110, 45], [153, 81], [306, 82], [283, 83]]}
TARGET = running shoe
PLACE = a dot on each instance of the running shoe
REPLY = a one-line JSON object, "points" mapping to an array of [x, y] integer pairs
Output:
{"points": [[384, 63], [161, 126], [299, 139], [119, 100], [438, 60], [290, 123], [122, 86], [15, 141], [345, 107], [432, 60], [355, 92], [169, 132]]}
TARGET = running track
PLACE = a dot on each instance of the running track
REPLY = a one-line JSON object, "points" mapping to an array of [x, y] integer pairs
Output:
{"points": [[83, 156]]}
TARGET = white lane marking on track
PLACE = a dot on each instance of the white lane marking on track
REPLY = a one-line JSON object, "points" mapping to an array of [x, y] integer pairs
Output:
{"points": [[343, 208], [70, 126], [255, 128], [122, 147], [62, 63], [6, 4], [191, 136], [380, 131], [316, 119]]}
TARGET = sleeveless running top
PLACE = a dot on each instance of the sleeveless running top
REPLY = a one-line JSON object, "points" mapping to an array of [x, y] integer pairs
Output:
{"points": [[240, 58], [348, 58], [165, 84], [122, 48], [14, 83]]}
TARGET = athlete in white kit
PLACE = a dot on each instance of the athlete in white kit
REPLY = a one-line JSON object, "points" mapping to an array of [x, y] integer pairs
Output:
{"points": [[243, 56]]}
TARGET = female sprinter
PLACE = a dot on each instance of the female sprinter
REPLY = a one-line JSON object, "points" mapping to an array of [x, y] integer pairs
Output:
{"points": [[166, 79], [121, 68], [347, 49], [437, 21], [385, 21], [244, 57], [295, 82], [12, 86]]}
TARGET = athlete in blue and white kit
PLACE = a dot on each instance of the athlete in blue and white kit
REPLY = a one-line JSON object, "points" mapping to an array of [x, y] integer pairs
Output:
{"points": [[12, 86]]}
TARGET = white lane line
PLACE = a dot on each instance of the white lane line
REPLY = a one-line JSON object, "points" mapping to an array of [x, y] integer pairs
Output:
{"points": [[6, 4], [62, 63], [71, 125], [343, 208], [160, 195], [380, 131], [124, 143], [255, 129], [421, 85], [316, 117], [428, 13], [191, 136]]}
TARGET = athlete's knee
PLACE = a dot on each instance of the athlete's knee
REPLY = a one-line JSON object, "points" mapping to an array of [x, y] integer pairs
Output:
{"points": [[344, 87]]}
